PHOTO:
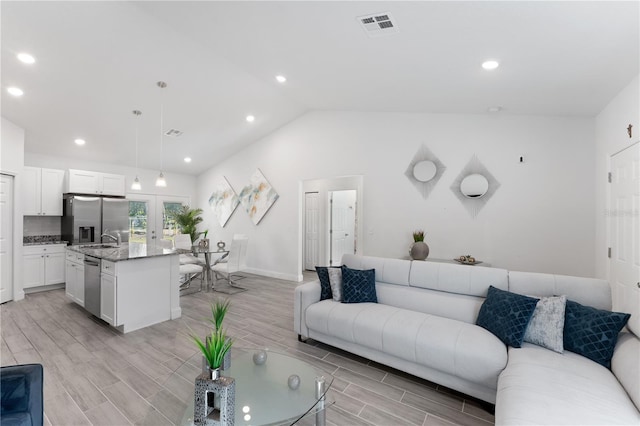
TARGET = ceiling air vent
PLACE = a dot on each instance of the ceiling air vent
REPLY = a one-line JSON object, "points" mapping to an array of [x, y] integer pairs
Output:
{"points": [[174, 133], [378, 25]]}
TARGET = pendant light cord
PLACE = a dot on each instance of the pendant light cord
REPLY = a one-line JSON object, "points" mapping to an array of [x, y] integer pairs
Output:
{"points": [[161, 125], [137, 113]]}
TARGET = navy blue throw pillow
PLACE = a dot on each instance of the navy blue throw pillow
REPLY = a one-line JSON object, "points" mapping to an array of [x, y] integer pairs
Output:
{"points": [[325, 286], [506, 315], [592, 332], [358, 286]]}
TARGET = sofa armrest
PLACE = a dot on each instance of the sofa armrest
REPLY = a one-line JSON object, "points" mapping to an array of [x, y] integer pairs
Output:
{"points": [[305, 295], [22, 393]]}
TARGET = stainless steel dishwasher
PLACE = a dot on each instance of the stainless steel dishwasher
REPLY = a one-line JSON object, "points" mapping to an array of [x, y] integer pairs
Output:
{"points": [[92, 285]]}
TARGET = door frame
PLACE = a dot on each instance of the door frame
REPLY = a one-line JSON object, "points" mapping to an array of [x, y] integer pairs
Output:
{"points": [[12, 285], [305, 245], [610, 225], [323, 186], [155, 203]]}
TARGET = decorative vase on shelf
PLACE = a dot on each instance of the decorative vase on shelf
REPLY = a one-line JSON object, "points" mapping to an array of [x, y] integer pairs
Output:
{"points": [[221, 245], [204, 243], [419, 250]]}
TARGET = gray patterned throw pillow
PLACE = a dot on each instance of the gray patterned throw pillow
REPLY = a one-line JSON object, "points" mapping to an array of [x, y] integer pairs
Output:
{"points": [[547, 324], [335, 280]]}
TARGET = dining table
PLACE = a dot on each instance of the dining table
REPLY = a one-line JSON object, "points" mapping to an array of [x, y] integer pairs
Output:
{"points": [[209, 254]]}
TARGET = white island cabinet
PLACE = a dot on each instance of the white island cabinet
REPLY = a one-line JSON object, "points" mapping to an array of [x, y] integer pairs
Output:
{"points": [[74, 267], [139, 285]]}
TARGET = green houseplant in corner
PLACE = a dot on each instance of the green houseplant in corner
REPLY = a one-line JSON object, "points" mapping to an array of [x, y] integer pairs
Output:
{"points": [[188, 219], [419, 249]]}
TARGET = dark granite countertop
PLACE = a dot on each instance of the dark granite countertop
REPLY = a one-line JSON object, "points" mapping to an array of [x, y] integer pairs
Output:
{"points": [[45, 243], [35, 240], [126, 251]]}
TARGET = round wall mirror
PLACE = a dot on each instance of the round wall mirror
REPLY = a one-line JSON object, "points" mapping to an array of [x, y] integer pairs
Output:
{"points": [[474, 186], [424, 171]]}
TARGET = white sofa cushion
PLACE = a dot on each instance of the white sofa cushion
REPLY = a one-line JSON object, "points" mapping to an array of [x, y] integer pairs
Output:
{"points": [[586, 291], [448, 305], [542, 387], [440, 343], [460, 279], [625, 364], [392, 271]]}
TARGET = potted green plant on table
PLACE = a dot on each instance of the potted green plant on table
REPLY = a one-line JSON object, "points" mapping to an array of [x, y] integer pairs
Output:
{"points": [[219, 409], [218, 311], [214, 349], [419, 249], [187, 220]]}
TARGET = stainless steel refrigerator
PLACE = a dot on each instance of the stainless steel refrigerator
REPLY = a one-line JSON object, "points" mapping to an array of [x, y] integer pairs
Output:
{"points": [[85, 219]]}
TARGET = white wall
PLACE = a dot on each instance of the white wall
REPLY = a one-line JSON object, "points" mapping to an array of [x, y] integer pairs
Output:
{"points": [[177, 184], [611, 137], [12, 163], [540, 219]]}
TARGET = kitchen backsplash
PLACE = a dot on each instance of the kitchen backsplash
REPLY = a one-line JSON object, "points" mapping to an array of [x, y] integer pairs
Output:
{"points": [[41, 225]]}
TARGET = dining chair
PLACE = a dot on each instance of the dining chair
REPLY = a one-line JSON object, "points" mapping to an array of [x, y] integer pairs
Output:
{"points": [[188, 272], [183, 241], [190, 266], [234, 263]]}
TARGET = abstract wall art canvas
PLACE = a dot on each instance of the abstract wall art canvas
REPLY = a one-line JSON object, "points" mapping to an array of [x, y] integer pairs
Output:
{"points": [[223, 201], [258, 196]]}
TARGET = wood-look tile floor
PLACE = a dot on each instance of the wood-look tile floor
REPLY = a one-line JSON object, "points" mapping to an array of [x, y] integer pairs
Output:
{"points": [[95, 375]]}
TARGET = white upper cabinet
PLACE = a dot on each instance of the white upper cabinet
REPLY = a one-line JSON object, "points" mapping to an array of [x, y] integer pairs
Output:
{"points": [[42, 191], [84, 182]]}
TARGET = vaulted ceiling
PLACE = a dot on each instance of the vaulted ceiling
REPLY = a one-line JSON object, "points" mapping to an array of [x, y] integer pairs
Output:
{"points": [[98, 61]]}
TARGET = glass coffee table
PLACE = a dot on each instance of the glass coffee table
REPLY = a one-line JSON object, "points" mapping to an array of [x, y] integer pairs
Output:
{"points": [[266, 393]]}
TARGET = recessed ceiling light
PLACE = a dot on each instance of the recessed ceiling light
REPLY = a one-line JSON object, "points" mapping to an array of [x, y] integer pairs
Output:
{"points": [[26, 58], [187, 159], [490, 65], [80, 142], [251, 118], [15, 91], [494, 109], [281, 78]]}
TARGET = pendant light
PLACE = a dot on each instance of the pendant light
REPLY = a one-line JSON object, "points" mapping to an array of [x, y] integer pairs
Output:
{"points": [[136, 186], [161, 182]]}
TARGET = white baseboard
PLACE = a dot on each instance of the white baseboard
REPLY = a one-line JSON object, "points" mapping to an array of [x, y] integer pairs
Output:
{"points": [[272, 274]]}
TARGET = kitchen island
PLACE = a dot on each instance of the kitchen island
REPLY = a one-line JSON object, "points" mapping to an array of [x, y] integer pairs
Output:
{"points": [[130, 287]]}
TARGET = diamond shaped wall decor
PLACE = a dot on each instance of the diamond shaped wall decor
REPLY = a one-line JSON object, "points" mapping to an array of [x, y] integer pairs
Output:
{"points": [[258, 196], [424, 171], [223, 201], [474, 202]]}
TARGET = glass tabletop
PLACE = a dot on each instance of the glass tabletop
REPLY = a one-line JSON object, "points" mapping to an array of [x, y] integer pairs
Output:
{"points": [[267, 393]]}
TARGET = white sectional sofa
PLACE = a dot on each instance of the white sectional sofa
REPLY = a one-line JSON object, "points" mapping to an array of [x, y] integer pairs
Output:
{"points": [[424, 324]]}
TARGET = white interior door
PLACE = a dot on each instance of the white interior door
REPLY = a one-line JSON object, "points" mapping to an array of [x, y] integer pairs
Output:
{"points": [[6, 238], [625, 232], [311, 232], [342, 225]]}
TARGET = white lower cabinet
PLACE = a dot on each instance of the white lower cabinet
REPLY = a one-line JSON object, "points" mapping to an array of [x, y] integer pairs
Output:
{"points": [[74, 271], [108, 297], [43, 265]]}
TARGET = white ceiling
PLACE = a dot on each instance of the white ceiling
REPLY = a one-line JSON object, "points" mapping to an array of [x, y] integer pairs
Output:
{"points": [[98, 61]]}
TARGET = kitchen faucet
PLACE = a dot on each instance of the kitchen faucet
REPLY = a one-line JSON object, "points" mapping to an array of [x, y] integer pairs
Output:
{"points": [[117, 239]]}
